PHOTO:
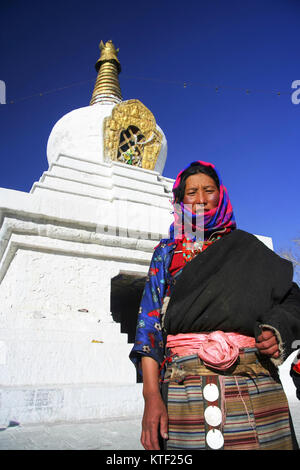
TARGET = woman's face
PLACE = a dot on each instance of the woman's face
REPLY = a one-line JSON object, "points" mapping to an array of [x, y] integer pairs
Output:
{"points": [[201, 189]]}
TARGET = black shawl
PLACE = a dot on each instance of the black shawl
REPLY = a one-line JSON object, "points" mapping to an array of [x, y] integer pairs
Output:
{"points": [[236, 284]]}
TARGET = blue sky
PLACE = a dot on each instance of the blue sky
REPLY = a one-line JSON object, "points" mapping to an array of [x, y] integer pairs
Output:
{"points": [[252, 138]]}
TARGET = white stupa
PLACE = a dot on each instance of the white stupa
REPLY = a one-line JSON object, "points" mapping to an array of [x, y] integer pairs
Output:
{"points": [[74, 254]]}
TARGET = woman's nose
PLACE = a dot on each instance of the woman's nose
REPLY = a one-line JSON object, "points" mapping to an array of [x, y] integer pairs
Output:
{"points": [[201, 199]]}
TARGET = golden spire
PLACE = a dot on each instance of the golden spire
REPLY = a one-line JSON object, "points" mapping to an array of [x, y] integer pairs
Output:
{"points": [[107, 87]]}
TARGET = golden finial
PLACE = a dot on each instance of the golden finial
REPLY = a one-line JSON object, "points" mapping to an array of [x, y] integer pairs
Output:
{"points": [[108, 53], [107, 87]]}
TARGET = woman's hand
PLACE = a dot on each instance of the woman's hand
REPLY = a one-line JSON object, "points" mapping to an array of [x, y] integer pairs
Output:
{"points": [[267, 343], [155, 417], [155, 412]]}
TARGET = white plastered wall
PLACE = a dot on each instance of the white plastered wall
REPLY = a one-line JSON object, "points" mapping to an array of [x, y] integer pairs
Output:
{"points": [[61, 354]]}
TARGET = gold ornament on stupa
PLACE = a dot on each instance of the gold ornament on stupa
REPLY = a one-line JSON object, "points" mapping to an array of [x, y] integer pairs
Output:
{"points": [[107, 87], [131, 135]]}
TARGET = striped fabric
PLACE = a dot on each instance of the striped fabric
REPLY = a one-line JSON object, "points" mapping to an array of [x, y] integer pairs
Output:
{"points": [[254, 407]]}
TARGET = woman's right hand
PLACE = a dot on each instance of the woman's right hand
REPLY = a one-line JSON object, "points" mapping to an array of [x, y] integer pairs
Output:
{"points": [[155, 412], [155, 418]]}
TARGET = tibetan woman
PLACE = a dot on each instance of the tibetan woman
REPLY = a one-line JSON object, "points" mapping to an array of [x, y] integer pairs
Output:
{"points": [[219, 314]]}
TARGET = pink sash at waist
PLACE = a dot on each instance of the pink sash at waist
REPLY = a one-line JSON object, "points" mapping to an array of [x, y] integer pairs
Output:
{"points": [[217, 349]]}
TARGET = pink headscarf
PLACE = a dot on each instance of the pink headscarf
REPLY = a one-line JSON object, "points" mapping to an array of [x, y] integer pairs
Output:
{"points": [[220, 217]]}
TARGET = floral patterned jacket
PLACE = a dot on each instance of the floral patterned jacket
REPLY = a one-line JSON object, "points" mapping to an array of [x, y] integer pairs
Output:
{"points": [[149, 337]]}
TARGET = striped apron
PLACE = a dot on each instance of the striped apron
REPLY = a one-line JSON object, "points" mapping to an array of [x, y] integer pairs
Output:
{"points": [[242, 408]]}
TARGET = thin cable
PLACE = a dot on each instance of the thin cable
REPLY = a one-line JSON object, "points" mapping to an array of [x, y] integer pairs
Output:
{"points": [[205, 85], [49, 91], [183, 84]]}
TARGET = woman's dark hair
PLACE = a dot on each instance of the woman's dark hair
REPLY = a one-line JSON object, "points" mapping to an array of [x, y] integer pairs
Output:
{"points": [[193, 169]]}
